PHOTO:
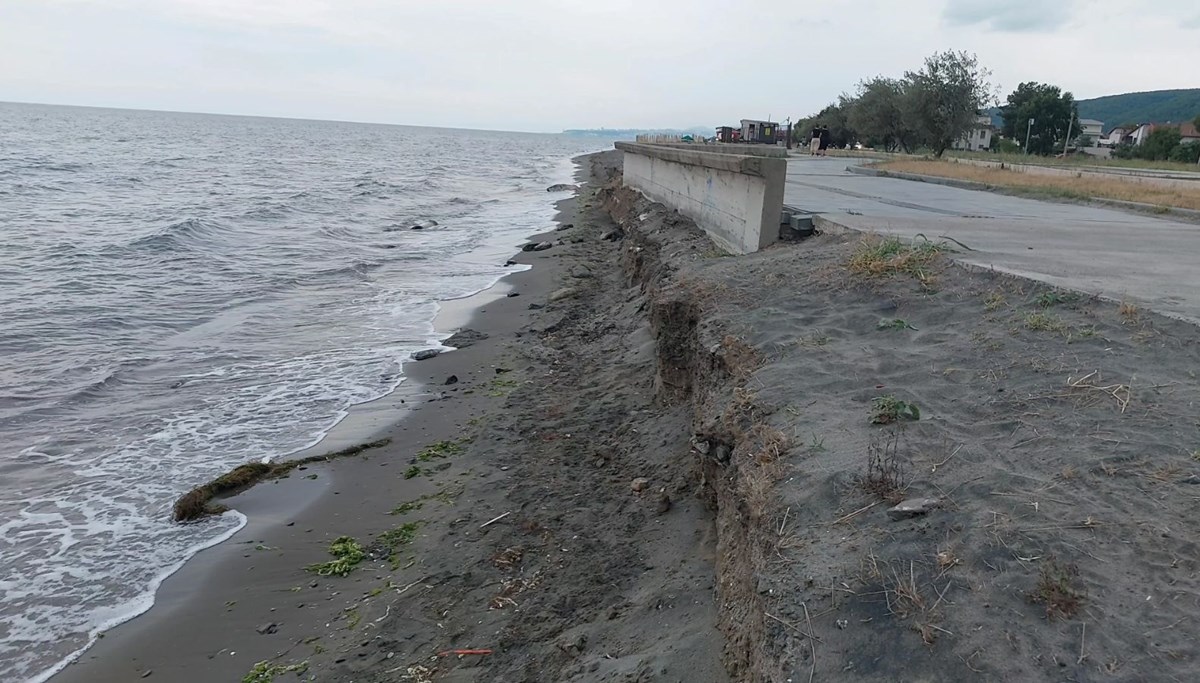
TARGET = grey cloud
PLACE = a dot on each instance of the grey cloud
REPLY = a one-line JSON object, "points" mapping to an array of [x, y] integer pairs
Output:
{"points": [[1013, 16]]}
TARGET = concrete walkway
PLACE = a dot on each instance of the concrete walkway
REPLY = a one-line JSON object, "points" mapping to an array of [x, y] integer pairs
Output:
{"points": [[1101, 251]]}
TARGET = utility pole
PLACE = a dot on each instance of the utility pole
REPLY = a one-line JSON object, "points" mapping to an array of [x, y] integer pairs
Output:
{"points": [[1028, 130], [789, 132], [1070, 123]]}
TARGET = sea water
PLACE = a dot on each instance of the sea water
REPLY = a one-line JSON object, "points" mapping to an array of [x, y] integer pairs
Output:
{"points": [[183, 293]]}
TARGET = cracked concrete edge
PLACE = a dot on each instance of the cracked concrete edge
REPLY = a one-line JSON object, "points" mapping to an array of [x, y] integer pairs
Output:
{"points": [[1137, 207]]}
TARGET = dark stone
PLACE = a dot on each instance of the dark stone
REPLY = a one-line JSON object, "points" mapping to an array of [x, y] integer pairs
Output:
{"points": [[464, 338], [562, 187], [536, 307], [542, 246], [510, 262], [565, 226], [529, 247], [426, 354], [452, 379], [501, 371], [664, 504], [613, 235], [512, 294], [417, 227], [267, 629]]}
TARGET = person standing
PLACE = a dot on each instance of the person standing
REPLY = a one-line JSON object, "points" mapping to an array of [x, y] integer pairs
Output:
{"points": [[823, 140], [814, 143]]}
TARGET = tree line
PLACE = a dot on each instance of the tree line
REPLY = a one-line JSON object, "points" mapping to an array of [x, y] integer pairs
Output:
{"points": [[935, 106]]}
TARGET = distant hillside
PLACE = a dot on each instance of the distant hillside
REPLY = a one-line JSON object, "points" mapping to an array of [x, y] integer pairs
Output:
{"points": [[631, 132], [1142, 107]]}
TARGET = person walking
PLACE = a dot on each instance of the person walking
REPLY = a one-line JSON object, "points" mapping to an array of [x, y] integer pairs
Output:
{"points": [[814, 143], [823, 140]]}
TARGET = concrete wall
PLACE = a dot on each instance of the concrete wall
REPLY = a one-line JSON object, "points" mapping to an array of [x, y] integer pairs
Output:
{"points": [[730, 148], [1181, 180], [736, 199]]}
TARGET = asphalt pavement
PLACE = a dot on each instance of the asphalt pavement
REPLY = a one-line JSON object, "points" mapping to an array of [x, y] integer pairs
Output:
{"points": [[1112, 253]]}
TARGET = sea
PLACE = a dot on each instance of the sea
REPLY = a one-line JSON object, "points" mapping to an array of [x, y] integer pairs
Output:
{"points": [[183, 293]]}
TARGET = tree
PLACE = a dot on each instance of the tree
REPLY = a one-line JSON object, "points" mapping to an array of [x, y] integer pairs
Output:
{"points": [[876, 115], [1053, 112], [1159, 144], [942, 100], [841, 133], [1186, 153]]}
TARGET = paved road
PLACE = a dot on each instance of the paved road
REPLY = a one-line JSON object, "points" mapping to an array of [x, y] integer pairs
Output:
{"points": [[1102, 251]]}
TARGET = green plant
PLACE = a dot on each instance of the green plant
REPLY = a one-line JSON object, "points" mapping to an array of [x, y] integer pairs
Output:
{"points": [[894, 324], [994, 300], [413, 471], [347, 553], [877, 257], [1055, 298], [889, 409], [399, 536], [817, 444], [265, 672], [501, 386], [1056, 589]]}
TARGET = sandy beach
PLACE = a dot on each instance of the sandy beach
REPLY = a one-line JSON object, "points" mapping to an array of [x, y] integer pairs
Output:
{"points": [[847, 458]]}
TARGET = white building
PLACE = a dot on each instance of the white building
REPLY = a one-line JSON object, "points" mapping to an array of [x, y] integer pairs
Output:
{"points": [[979, 138], [1093, 129]]}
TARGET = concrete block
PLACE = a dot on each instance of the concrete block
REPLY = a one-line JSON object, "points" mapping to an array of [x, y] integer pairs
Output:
{"points": [[736, 199]]}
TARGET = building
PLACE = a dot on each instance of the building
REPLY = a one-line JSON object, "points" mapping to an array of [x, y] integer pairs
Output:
{"points": [[1188, 133], [759, 131], [1093, 129], [979, 138], [1115, 136]]}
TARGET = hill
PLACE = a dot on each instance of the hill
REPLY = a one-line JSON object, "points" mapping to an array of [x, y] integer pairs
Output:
{"points": [[1142, 107]]}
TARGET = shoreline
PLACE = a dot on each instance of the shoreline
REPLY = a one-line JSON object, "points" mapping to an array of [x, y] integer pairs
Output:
{"points": [[273, 508]]}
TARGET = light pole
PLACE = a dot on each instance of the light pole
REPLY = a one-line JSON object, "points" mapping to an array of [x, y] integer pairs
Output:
{"points": [[1028, 130], [1070, 125]]}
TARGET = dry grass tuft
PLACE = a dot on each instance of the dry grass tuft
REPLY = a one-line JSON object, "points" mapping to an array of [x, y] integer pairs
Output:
{"points": [[878, 256], [740, 358], [1129, 312], [1116, 187], [885, 475]]}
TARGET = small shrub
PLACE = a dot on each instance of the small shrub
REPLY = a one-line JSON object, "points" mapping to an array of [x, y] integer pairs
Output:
{"points": [[347, 553], [889, 409], [885, 471], [412, 472], [1056, 589], [1128, 311], [894, 324], [994, 300]]}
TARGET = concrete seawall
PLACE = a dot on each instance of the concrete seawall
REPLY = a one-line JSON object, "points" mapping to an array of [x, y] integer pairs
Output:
{"points": [[736, 199]]}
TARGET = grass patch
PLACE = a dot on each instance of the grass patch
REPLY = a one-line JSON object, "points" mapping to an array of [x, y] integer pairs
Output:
{"points": [[1056, 589], [894, 324], [994, 300], [889, 410], [400, 536], [880, 256], [1128, 311], [1056, 298], [265, 672], [199, 503], [413, 472], [501, 386], [1044, 322], [1110, 186]]}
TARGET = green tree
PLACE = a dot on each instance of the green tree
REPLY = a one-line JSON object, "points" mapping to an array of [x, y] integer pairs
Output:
{"points": [[1159, 144], [942, 100], [1053, 112], [876, 114], [841, 133], [1186, 153]]}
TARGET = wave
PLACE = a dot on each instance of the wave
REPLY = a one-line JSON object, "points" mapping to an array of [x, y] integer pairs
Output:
{"points": [[185, 233]]}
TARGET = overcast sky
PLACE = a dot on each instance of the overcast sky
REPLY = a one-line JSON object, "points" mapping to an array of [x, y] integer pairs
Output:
{"points": [[545, 65]]}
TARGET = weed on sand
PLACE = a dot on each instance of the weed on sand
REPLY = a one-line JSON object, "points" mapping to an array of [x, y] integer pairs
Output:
{"points": [[885, 256], [889, 409], [1057, 589], [265, 672], [347, 553]]}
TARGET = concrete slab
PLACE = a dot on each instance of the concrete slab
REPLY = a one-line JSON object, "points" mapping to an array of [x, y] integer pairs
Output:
{"points": [[1102, 251]]}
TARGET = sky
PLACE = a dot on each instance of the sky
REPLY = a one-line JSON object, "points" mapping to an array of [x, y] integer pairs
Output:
{"points": [[546, 65]]}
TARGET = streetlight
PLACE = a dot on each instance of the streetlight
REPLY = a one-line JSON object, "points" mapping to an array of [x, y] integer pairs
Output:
{"points": [[1028, 130]]}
